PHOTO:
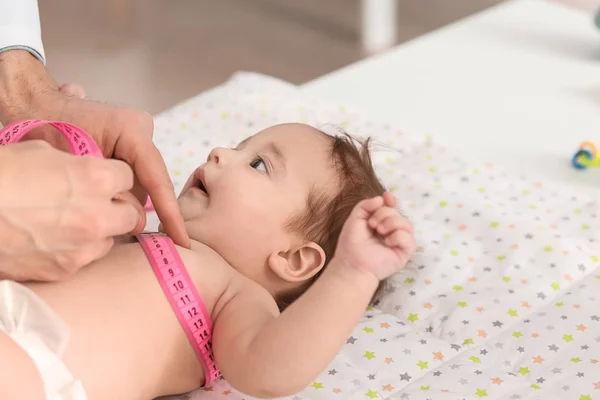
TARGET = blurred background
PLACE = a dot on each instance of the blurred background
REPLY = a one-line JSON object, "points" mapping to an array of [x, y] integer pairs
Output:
{"points": [[151, 54]]}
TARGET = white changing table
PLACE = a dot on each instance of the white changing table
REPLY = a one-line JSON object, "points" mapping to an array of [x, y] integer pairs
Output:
{"points": [[518, 85]]}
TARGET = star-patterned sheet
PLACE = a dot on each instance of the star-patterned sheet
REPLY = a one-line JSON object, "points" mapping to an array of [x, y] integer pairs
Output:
{"points": [[501, 301]]}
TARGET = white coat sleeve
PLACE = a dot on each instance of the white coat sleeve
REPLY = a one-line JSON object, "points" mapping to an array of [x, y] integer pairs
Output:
{"points": [[20, 27]]}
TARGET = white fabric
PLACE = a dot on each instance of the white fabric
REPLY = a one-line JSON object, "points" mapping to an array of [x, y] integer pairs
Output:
{"points": [[501, 299], [20, 27], [38, 330]]}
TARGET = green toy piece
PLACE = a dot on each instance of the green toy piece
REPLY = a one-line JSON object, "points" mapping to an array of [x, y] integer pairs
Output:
{"points": [[586, 156]]}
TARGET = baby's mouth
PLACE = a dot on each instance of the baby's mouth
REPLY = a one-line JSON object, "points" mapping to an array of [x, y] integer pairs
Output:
{"points": [[199, 181], [201, 187]]}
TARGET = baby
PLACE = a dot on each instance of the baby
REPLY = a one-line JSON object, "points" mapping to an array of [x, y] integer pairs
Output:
{"points": [[291, 235]]}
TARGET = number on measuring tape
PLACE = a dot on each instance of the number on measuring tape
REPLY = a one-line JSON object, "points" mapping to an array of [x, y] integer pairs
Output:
{"points": [[183, 297]]}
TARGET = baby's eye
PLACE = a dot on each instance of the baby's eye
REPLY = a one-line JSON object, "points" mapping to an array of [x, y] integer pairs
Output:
{"points": [[259, 164]]}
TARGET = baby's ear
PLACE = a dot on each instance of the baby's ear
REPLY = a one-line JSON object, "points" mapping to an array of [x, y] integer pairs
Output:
{"points": [[298, 264]]}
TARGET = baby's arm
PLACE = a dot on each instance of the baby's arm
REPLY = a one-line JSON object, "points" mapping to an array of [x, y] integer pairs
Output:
{"points": [[265, 354]]}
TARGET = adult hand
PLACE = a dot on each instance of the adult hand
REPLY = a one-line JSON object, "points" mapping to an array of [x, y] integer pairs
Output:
{"points": [[28, 92], [59, 212]]}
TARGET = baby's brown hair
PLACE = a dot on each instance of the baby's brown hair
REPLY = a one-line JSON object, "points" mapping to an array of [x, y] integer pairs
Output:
{"points": [[324, 216]]}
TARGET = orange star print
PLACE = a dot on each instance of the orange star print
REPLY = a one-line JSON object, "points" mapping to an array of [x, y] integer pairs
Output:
{"points": [[538, 360], [497, 381]]}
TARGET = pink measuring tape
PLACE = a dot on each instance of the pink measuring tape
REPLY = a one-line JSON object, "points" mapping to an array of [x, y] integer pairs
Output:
{"points": [[80, 142], [159, 248], [184, 298]]}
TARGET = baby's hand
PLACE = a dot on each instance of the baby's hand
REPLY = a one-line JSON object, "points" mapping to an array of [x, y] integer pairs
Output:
{"points": [[376, 238]]}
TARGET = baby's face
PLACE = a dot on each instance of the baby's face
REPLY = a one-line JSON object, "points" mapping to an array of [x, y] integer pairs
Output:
{"points": [[240, 200]]}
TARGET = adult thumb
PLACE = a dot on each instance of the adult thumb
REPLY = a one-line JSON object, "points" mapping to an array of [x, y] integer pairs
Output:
{"points": [[128, 197]]}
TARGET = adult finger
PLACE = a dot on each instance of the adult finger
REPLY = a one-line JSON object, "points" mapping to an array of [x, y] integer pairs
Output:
{"points": [[123, 216], [120, 175], [152, 174], [139, 191], [91, 253], [101, 249], [128, 198]]}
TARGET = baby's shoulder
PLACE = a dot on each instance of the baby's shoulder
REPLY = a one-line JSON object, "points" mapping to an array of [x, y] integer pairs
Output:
{"points": [[237, 287], [217, 281]]}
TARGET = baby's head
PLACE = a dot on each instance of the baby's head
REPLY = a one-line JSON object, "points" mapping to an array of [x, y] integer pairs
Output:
{"points": [[274, 206]]}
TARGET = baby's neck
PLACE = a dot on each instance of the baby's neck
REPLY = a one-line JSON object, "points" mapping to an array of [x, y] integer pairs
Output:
{"points": [[273, 287]]}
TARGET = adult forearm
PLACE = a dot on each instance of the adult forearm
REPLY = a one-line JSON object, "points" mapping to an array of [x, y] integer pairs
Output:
{"points": [[23, 80], [26, 90]]}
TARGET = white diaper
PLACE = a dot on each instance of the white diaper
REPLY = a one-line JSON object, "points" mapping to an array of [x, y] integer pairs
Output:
{"points": [[42, 333]]}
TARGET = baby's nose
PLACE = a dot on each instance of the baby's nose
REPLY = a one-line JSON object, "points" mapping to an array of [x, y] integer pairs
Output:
{"points": [[216, 155]]}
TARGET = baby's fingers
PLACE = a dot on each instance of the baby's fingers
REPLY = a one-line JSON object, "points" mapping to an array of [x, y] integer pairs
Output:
{"points": [[390, 200], [381, 217], [402, 240], [366, 208], [392, 223]]}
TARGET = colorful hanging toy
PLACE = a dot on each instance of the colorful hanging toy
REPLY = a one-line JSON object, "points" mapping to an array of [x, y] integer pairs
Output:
{"points": [[586, 156]]}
